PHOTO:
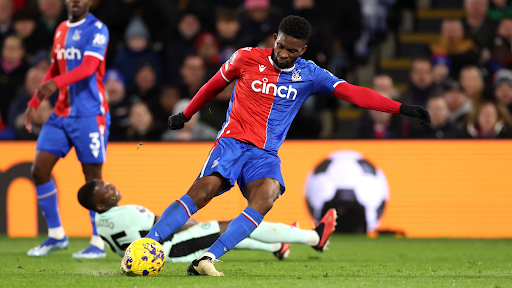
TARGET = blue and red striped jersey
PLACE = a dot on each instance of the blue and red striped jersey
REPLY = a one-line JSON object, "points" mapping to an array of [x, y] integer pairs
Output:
{"points": [[71, 43]]}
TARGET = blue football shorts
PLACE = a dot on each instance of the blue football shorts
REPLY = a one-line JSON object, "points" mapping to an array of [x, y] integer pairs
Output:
{"points": [[88, 134], [242, 162]]}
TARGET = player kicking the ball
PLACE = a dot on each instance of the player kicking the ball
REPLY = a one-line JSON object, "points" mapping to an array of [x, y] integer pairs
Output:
{"points": [[121, 225], [271, 85], [81, 118]]}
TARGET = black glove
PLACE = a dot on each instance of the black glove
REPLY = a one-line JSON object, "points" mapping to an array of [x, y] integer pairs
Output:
{"points": [[416, 112], [177, 121]]}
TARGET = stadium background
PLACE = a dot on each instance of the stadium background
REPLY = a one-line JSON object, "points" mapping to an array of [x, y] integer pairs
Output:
{"points": [[457, 188]]}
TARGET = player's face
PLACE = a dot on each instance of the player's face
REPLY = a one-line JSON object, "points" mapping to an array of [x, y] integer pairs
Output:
{"points": [[77, 9], [105, 195], [286, 50]]}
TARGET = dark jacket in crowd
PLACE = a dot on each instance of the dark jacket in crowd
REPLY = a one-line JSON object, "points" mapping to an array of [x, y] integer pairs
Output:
{"points": [[446, 131], [397, 129]]}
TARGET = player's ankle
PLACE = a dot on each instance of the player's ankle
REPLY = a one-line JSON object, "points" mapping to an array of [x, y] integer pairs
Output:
{"points": [[97, 242], [313, 238], [57, 233]]}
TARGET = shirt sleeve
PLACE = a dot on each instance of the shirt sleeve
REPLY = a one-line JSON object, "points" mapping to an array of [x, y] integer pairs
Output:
{"points": [[98, 41], [325, 82], [232, 69]]}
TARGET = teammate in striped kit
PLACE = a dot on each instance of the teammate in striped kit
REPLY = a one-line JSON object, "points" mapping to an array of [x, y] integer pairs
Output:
{"points": [[81, 118], [271, 85]]}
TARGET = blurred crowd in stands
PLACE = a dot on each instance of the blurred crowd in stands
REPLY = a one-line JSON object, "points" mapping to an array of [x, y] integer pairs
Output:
{"points": [[162, 51]]}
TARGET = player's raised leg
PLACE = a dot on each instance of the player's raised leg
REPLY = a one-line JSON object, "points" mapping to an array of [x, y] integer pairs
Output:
{"points": [[96, 248], [177, 214], [261, 195], [47, 199], [316, 238]]}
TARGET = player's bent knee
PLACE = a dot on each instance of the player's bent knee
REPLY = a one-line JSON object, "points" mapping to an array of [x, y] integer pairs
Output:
{"points": [[202, 192], [39, 174]]}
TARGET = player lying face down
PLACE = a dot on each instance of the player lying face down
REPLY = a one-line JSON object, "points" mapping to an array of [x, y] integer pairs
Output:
{"points": [[118, 226]]}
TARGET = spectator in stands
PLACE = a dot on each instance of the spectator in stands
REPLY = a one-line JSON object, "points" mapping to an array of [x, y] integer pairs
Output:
{"points": [[380, 125], [458, 103], [488, 120], [193, 74], [472, 82], [228, 26], [439, 127], [441, 66], [259, 20], [453, 43], [194, 129], [41, 60], [146, 86], [119, 104], [13, 68], [33, 80], [136, 52], [500, 9], [267, 42], [346, 22], [52, 13], [499, 58], [505, 29], [503, 88], [6, 11], [169, 96], [142, 126], [214, 112], [481, 28], [180, 46], [385, 84], [421, 85], [33, 35], [320, 42], [207, 47]]}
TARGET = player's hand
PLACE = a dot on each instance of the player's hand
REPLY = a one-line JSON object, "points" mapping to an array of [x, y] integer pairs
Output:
{"points": [[27, 118], [177, 121], [415, 111], [47, 89]]}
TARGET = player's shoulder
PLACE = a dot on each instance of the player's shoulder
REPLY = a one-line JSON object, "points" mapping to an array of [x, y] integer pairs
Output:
{"points": [[307, 65], [96, 24], [252, 53], [136, 208]]}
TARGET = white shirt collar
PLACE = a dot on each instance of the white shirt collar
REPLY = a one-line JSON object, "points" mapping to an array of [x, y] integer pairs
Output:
{"points": [[74, 24], [275, 66]]}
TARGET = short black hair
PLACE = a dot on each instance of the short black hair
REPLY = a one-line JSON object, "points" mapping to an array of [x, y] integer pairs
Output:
{"points": [[85, 195], [296, 27]]}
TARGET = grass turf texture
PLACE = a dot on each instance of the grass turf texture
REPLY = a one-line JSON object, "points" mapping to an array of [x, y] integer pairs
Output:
{"points": [[352, 261]]}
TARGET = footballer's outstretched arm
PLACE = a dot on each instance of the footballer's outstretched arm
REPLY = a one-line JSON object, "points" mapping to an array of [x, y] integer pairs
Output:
{"points": [[370, 99], [210, 90]]}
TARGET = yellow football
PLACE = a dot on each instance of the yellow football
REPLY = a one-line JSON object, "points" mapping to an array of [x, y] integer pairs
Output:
{"points": [[144, 257]]}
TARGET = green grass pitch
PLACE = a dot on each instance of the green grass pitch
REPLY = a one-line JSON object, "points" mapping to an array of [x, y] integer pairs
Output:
{"points": [[352, 261]]}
